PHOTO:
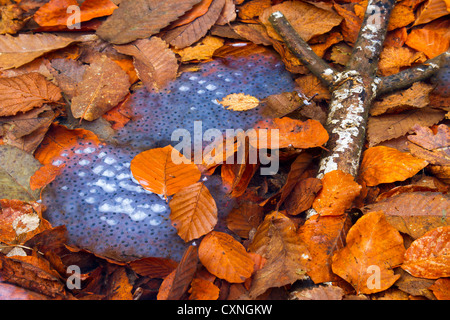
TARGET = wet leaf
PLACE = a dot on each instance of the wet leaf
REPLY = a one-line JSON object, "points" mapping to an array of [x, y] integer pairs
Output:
{"points": [[138, 19], [414, 213], [156, 171], [25, 92], [193, 211], [45, 175], [104, 85], [385, 165], [225, 258], [155, 63], [428, 257], [277, 241], [16, 169], [239, 102], [373, 248], [339, 189]]}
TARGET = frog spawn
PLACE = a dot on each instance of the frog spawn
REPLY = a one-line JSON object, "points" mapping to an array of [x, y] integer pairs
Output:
{"points": [[96, 197]]}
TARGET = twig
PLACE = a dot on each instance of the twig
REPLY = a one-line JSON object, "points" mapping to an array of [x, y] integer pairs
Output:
{"points": [[302, 50]]}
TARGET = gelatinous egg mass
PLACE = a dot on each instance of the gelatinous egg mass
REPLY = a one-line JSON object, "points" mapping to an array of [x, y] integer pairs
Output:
{"points": [[96, 197]]}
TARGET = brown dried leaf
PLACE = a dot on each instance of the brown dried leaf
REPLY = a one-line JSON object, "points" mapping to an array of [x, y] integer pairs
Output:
{"points": [[186, 35], [307, 20], [138, 19], [104, 85], [414, 213], [25, 92], [12, 19], [193, 211], [318, 293], [277, 241], [243, 219], [302, 196], [253, 32], [387, 127], [432, 147], [415, 97], [67, 73], [153, 267], [155, 63]]}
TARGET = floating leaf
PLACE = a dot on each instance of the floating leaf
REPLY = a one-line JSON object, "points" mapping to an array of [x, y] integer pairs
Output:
{"points": [[384, 165], [155, 63], [414, 213], [277, 241], [339, 189], [203, 290], [24, 92], [44, 176], [104, 85], [239, 102], [155, 171], [16, 168], [225, 258], [429, 256], [373, 248], [323, 236], [138, 19], [193, 211]]}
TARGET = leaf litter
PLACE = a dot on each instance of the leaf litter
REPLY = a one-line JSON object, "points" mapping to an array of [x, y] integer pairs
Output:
{"points": [[149, 68]]}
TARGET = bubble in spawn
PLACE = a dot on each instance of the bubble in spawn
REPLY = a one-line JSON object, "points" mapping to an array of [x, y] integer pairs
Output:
{"points": [[116, 217]]}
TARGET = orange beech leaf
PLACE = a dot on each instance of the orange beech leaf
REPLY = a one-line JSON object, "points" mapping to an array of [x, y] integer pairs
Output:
{"points": [[243, 219], [177, 282], [277, 241], [203, 50], [21, 220], [441, 289], [225, 258], [55, 13], [339, 189], [153, 267], [429, 256], [392, 59], [373, 248], [203, 290], [239, 102], [291, 133], [193, 211], [155, 171], [236, 177], [198, 10], [44, 175], [433, 147], [430, 42], [59, 139], [303, 195], [323, 236], [318, 293], [432, 10], [385, 165]]}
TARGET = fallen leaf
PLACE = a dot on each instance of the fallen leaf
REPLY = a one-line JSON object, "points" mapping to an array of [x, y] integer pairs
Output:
{"points": [[391, 126], [414, 97], [197, 11], [12, 292], [384, 165], [24, 48], [155, 63], [311, 86], [323, 236], [277, 241], [291, 133], [193, 211], [104, 85], [177, 282], [393, 59], [401, 15], [25, 92], [441, 289], [302, 196], [253, 32], [432, 10], [203, 50], [239, 102], [429, 42], [237, 176], [153, 267], [373, 248], [203, 290], [225, 258], [432, 147], [16, 168], [67, 73], [414, 286], [428, 257], [184, 36], [243, 219], [339, 189], [156, 171], [138, 19], [351, 24], [12, 19], [253, 9], [306, 19], [318, 293], [414, 213], [119, 287]]}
